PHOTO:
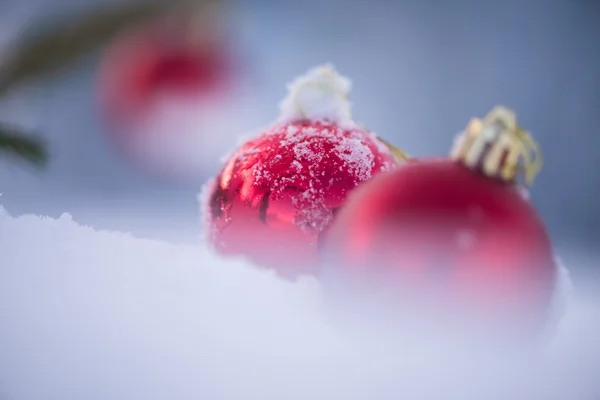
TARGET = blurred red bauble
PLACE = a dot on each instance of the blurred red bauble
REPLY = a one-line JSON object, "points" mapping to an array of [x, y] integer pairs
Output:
{"points": [[280, 191], [161, 87], [450, 230], [154, 61]]}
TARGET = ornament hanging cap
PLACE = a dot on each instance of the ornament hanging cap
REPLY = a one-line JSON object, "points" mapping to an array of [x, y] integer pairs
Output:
{"points": [[499, 147], [320, 94]]}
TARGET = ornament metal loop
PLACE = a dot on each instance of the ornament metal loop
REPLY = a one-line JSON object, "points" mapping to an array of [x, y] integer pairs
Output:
{"points": [[499, 147]]}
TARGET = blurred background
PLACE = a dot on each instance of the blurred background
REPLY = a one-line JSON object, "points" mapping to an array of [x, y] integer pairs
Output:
{"points": [[421, 70]]}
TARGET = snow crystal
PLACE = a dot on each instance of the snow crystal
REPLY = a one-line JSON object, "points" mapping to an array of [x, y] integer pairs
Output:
{"points": [[304, 151], [292, 129], [297, 165], [358, 157], [103, 315], [320, 94]]}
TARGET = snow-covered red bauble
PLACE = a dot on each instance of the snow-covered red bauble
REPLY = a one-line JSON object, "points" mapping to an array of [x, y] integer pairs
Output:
{"points": [[280, 191], [455, 231], [166, 92]]}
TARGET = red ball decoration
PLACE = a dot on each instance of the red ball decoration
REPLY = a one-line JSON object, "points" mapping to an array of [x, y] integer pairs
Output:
{"points": [[152, 61], [450, 230], [279, 192], [159, 84]]}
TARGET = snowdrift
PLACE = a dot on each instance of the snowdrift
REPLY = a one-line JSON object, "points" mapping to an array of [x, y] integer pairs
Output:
{"points": [[88, 314]]}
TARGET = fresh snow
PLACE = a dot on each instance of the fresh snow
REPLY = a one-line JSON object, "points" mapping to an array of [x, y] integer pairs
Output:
{"points": [[87, 314]]}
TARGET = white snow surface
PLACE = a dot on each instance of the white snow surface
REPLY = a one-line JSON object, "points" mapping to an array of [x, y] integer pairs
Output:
{"points": [[87, 314], [320, 94]]}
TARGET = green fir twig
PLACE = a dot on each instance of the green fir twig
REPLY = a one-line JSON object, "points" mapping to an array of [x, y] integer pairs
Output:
{"points": [[55, 45], [25, 147]]}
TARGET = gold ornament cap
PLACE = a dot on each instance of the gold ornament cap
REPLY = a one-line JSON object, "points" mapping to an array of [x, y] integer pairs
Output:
{"points": [[498, 147]]}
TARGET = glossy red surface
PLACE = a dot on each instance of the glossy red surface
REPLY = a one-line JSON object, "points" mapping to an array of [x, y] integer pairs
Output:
{"points": [[280, 192], [437, 228]]}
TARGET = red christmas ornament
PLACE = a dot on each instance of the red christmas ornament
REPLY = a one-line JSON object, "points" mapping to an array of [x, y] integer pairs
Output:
{"points": [[279, 192], [456, 229], [160, 87]]}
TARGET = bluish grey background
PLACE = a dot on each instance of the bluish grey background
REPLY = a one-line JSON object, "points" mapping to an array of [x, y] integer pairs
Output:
{"points": [[421, 70]]}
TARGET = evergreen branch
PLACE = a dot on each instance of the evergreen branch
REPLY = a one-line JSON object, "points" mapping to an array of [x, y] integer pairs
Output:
{"points": [[58, 44], [29, 148]]}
